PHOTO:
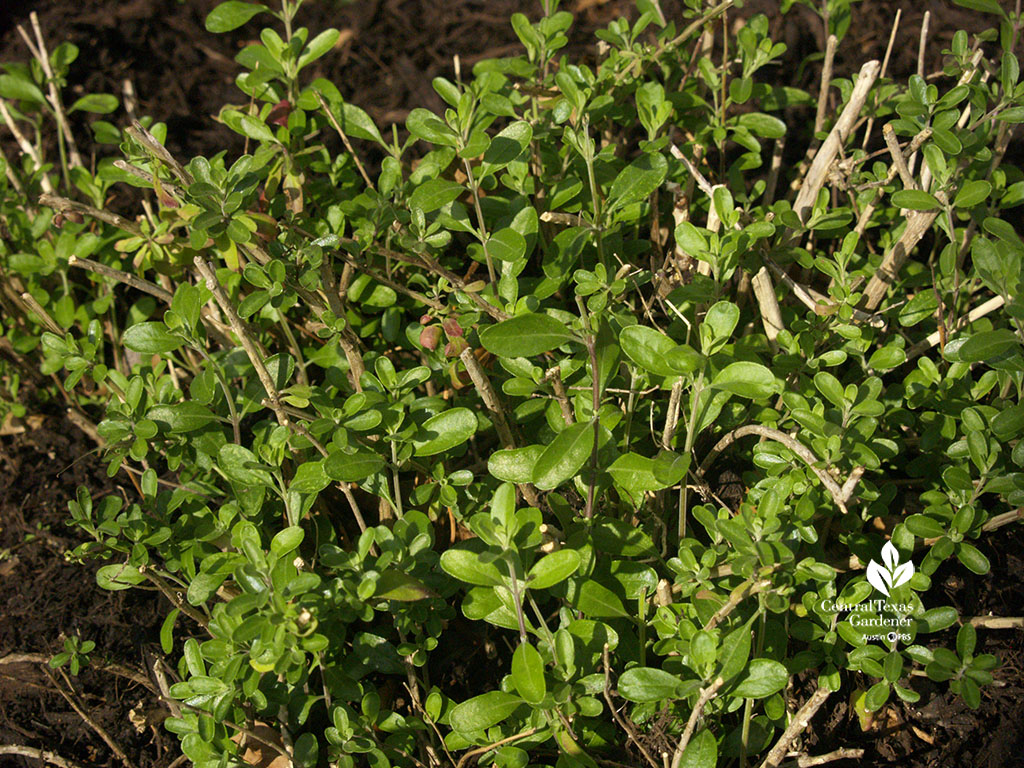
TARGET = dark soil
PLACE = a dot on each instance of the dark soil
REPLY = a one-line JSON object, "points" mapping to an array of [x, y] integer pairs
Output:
{"points": [[390, 50]]}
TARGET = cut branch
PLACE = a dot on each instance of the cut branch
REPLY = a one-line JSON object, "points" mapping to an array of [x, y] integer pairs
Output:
{"points": [[799, 723]]}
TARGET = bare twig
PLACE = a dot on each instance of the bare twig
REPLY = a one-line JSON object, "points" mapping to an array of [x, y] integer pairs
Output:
{"points": [[344, 139], [997, 622], [747, 589], [100, 731], [672, 419], [554, 375], [99, 664], [771, 316], [148, 141], [39, 754], [706, 695], [800, 722], [826, 80], [42, 314], [624, 724], [818, 172], [980, 311], [808, 761], [497, 411], [893, 144], [64, 205], [501, 742], [841, 496], [885, 68]]}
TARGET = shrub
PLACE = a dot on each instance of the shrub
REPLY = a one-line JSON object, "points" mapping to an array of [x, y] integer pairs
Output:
{"points": [[479, 382]]}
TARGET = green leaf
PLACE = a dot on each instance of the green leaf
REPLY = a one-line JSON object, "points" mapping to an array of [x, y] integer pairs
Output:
{"points": [[919, 308], [118, 576], [20, 88], [231, 15], [937, 619], [424, 124], [525, 336], [97, 103], [255, 129], [318, 46], [564, 457], [701, 752], [444, 431], [887, 358], [553, 568], [167, 632], [516, 464], [985, 6], [636, 474], [637, 180], [306, 751], [925, 527], [286, 540], [182, 417], [972, 558], [241, 465], [762, 125], [469, 567], [483, 711], [310, 477], [763, 677], [643, 684], [745, 379], [508, 144], [830, 387], [506, 245], [434, 194], [648, 348], [734, 652], [528, 673], [598, 602], [151, 338], [394, 584], [986, 345], [352, 467], [972, 193], [915, 200]]}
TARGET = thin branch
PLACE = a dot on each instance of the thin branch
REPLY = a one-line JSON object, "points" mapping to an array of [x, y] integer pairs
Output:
{"points": [[771, 315], [63, 205], [98, 664], [499, 743], [799, 723], [808, 761], [885, 68], [839, 495], [997, 622], [122, 277], [554, 375], [39, 754], [893, 144], [824, 157], [100, 731], [706, 695], [344, 139], [747, 589], [497, 410], [826, 81], [148, 141], [624, 724]]}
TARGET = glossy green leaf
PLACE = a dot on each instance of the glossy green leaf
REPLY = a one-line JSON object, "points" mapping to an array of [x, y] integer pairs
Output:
{"points": [[763, 677], [231, 15], [643, 684], [352, 467], [483, 711], [434, 194], [182, 417], [528, 673], [286, 540], [525, 336], [97, 103], [637, 180], [564, 457], [745, 379], [394, 584], [972, 193], [986, 345], [118, 576], [515, 465], [553, 569], [648, 348], [445, 431], [471, 568], [151, 338], [598, 602], [701, 752], [915, 200]]}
